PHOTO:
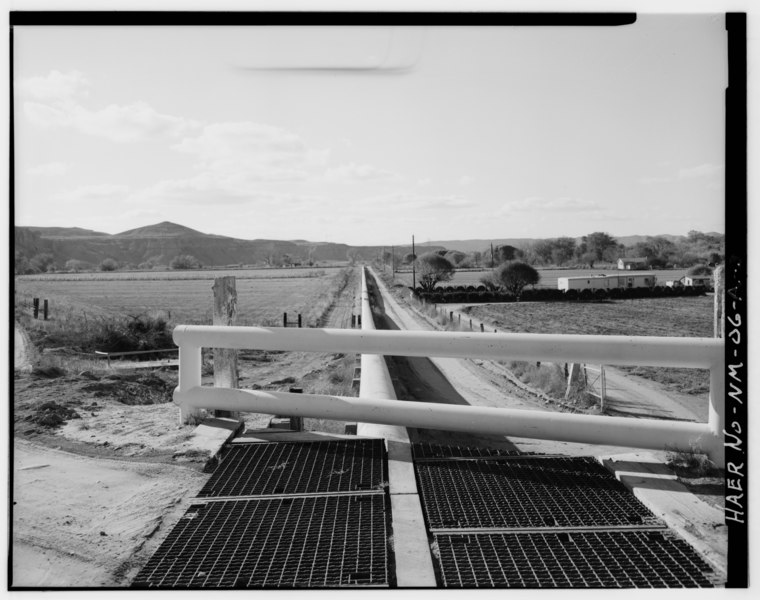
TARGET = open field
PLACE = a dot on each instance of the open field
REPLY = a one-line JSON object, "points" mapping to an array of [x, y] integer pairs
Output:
{"points": [[666, 317], [261, 299], [548, 276], [194, 274], [669, 317]]}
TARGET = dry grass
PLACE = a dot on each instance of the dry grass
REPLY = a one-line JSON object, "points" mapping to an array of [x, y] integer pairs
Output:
{"points": [[692, 463], [259, 300], [663, 317]]}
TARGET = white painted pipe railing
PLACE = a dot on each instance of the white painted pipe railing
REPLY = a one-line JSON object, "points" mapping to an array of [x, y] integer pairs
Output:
{"points": [[706, 353]]}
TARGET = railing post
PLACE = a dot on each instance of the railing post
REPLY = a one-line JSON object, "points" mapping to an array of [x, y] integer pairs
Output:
{"points": [[189, 378], [717, 413], [719, 304]]}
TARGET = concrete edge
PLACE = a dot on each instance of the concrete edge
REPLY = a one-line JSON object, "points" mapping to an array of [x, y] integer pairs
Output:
{"points": [[657, 487], [212, 434]]}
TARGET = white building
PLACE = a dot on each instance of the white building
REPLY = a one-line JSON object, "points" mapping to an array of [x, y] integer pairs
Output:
{"points": [[607, 282]]}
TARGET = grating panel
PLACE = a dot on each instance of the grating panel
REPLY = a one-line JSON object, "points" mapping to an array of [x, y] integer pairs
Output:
{"points": [[278, 542], [530, 492], [299, 467], [570, 560], [422, 451]]}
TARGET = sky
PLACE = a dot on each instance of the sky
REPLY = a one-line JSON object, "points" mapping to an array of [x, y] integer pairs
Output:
{"points": [[369, 136]]}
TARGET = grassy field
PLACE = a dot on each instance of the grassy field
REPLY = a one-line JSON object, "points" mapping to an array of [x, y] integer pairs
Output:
{"points": [[209, 274], [261, 299], [548, 276], [666, 317]]}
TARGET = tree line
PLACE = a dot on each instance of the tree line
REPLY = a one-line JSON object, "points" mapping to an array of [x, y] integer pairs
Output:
{"points": [[45, 262], [657, 252]]}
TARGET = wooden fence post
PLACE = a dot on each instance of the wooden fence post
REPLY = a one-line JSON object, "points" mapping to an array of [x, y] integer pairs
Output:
{"points": [[482, 329], [225, 359], [284, 319], [45, 309], [299, 320], [36, 307]]}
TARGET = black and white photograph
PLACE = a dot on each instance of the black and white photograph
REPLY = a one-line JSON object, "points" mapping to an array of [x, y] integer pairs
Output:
{"points": [[377, 300]]}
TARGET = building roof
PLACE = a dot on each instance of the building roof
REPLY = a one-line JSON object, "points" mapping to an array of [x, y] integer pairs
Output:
{"points": [[633, 260]]}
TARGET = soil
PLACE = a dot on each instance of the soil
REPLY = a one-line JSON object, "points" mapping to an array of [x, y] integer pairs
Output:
{"points": [[101, 467]]}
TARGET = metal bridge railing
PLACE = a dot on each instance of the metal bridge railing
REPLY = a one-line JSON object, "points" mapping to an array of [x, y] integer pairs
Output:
{"points": [[706, 353]]}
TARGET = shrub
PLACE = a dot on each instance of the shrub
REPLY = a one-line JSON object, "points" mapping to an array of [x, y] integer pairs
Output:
{"points": [[108, 264], [699, 271], [515, 275], [183, 262]]}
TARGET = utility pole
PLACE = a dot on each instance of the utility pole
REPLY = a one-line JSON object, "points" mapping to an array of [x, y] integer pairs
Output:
{"points": [[414, 273]]}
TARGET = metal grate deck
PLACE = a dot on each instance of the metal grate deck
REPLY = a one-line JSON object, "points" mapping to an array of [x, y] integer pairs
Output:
{"points": [[260, 469], [423, 451], [530, 492], [316, 542], [570, 560]]}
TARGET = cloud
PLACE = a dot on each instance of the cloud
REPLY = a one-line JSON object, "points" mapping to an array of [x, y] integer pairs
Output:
{"points": [[247, 151], [551, 204], [413, 201], [210, 190], [655, 179], [465, 180], [55, 87], [424, 181], [353, 173], [704, 170], [130, 123], [52, 169], [100, 192], [53, 102]]}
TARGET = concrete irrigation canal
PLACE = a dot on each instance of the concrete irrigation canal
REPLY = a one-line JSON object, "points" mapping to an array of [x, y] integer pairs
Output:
{"points": [[291, 509]]}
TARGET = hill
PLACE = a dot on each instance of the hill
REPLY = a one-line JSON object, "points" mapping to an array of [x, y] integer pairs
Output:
{"points": [[160, 243]]}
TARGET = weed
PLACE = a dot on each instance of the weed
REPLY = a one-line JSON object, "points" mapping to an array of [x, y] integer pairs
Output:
{"points": [[549, 378], [692, 461]]}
